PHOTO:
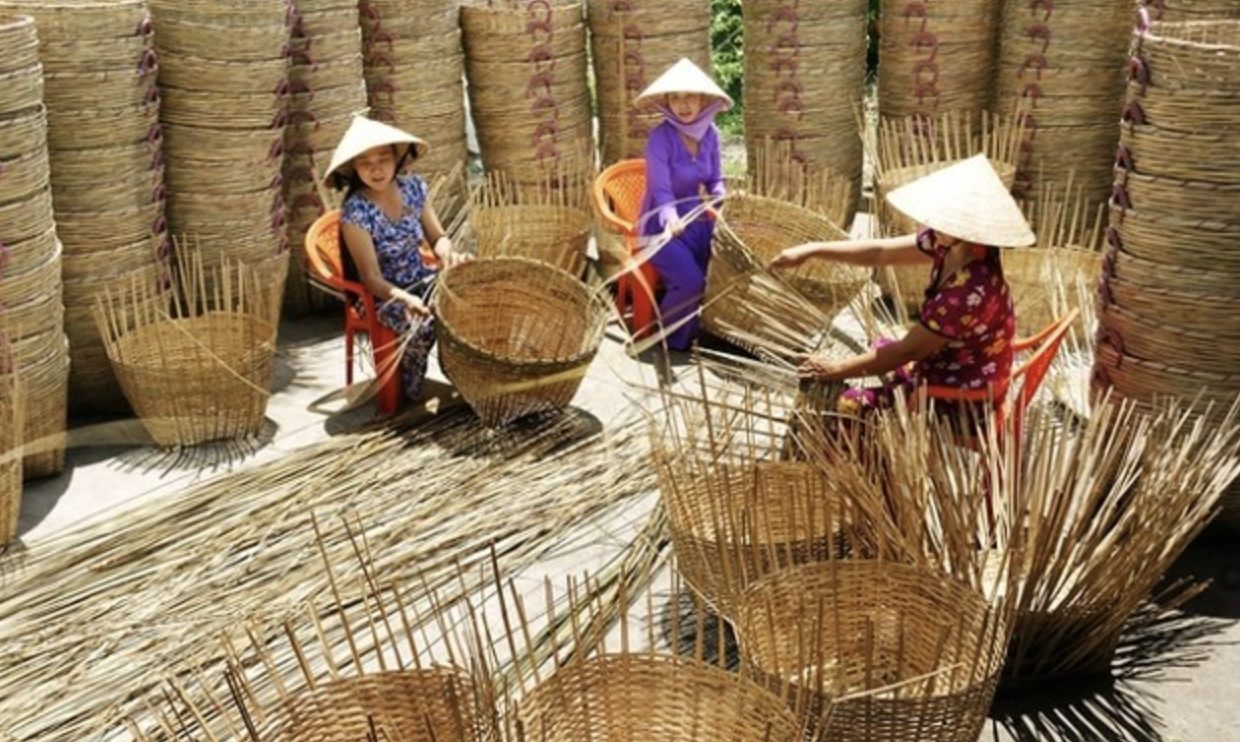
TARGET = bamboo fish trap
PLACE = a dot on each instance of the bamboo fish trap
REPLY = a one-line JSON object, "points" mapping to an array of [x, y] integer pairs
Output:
{"points": [[516, 335], [195, 364]]}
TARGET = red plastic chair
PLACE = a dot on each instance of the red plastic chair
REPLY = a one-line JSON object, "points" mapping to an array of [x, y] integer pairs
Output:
{"points": [[323, 247], [618, 193]]}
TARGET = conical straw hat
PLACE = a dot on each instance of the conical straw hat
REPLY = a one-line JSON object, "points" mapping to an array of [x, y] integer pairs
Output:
{"points": [[365, 134], [968, 201], [682, 77]]}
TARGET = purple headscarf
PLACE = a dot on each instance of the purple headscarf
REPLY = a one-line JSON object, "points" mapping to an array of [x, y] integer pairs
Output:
{"points": [[697, 128]]}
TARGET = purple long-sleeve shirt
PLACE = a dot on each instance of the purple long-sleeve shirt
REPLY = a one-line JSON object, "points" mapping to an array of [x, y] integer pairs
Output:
{"points": [[675, 179]]}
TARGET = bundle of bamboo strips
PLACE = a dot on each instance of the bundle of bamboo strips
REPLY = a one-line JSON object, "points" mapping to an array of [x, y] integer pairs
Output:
{"points": [[101, 611]]}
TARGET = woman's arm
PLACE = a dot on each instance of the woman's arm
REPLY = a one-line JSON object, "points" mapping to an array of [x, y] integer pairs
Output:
{"points": [[438, 238], [869, 253], [361, 247], [917, 344], [659, 184]]}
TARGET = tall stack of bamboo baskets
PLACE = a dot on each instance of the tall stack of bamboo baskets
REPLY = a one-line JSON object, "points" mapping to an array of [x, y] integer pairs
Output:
{"points": [[937, 56], [31, 293], [805, 81], [415, 76], [224, 79], [526, 69], [327, 88], [1191, 10], [1168, 291], [632, 43], [103, 141], [1063, 64]]}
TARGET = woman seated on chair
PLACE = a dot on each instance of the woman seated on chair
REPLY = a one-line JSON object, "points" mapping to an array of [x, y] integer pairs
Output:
{"points": [[684, 166], [384, 220], [963, 337]]}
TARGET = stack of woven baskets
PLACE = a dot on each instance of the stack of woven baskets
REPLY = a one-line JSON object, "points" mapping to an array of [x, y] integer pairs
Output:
{"points": [[415, 75], [804, 81], [1190, 10], [327, 88], [632, 43], [1061, 62], [103, 137], [11, 430], [31, 303], [224, 78], [1170, 275], [936, 56], [526, 67]]}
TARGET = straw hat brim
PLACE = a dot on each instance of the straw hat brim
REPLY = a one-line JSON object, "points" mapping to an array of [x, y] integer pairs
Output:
{"points": [[365, 134], [968, 201], [682, 77]]}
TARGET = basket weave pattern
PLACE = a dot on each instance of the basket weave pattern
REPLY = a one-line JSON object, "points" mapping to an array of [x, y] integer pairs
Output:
{"points": [[516, 335], [11, 429]]}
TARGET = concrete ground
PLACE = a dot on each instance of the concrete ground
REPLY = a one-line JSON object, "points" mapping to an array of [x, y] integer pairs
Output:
{"points": [[1190, 691]]}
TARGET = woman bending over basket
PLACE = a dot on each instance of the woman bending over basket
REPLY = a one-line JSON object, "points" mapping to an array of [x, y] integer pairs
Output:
{"points": [[684, 168], [964, 333], [385, 218]]}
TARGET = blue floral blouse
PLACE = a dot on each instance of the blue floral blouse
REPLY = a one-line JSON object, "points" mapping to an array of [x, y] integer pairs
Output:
{"points": [[396, 243]]}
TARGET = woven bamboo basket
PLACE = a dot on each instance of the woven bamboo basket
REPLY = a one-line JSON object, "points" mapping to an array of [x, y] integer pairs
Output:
{"points": [[732, 524], [655, 19], [550, 221], [329, 102], [1138, 272], [123, 192], [1192, 109], [195, 367], [67, 20], [82, 270], [516, 335], [24, 176], [315, 23], [494, 33], [29, 254], [104, 128], [342, 41], [1192, 55], [128, 161], [751, 307], [226, 42], [36, 316], [90, 55], [767, 225], [106, 230], [1155, 339], [1159, 238], [223, 76], [1148, 382], [24, 132], [428, 705], [21, 90], [19, 41], [12, 425], [123, 87], [24, 220], [329, 74], [926, 650], [222, 110], [611, 698], [244, 176], [235, 13], [1190, 10], [1202, 155], [1194, 312], [42, 363]]}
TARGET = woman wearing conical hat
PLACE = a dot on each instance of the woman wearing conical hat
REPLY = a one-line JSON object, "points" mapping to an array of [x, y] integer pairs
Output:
{"points": [[684, 166], [385, 218], [963, 335]]}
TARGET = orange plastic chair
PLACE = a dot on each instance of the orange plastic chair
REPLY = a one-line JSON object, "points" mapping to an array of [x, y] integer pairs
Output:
{"points": [[323, 247], [618, 193]]}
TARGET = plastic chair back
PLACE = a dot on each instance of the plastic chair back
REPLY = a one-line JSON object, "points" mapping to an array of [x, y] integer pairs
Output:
{"points": [[1034, 368], [618, 193]]}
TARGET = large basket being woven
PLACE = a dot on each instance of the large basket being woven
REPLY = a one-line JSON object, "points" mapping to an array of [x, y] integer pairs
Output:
{"points": [[516, 335], [732, 524], [922, 650], [768, 225], [623, 697], [1048, 282], [429, 705]]}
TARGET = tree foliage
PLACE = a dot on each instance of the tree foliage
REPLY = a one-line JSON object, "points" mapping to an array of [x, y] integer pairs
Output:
{"points": [[728, 55]]}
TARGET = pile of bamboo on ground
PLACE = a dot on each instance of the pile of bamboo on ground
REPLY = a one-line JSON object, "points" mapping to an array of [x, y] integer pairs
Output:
{"points": [[526, 69], [549, 220], [31, 287], [937, 57], [912, 147], [326, 89], [103, 135], [224, 76], [414, 75], [632, 42], [805, 82], [1062, 62], [102, 612], [1168, 289]]}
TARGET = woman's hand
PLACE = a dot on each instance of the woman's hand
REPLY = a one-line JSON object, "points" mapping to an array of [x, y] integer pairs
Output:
{"points": [[674, 227], [414, 307], [820, 367], [791, 257], [447, 256]]}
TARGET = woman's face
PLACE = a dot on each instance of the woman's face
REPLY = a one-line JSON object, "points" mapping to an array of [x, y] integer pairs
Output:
{"points": [[376, 167], [686, 106]]}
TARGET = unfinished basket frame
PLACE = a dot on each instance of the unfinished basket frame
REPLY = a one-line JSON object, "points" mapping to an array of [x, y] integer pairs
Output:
{"points": [[548, 221]]}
